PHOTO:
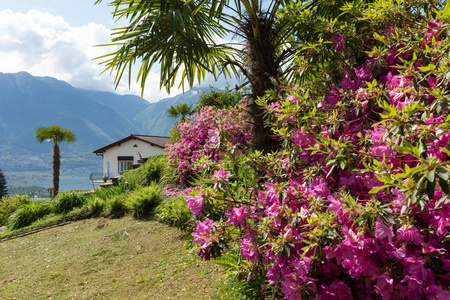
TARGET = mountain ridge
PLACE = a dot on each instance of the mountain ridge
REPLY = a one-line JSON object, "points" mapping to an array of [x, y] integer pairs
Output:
{"points": [[97, 118]]}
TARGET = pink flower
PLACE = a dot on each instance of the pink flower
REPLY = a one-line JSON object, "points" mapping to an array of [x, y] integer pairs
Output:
{"points": [[194, 198], [338, 42], [202, 236], [410, 234], [301, 138], [237, 216], [292, 99], [381, 231], [248, 251], [363, 73], [222, 175], [385, 286]]}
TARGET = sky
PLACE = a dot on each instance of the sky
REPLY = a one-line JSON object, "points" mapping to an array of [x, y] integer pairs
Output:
{"points": [[56, 38]]}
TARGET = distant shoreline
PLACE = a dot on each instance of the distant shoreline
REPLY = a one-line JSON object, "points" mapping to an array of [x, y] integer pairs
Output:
{"points": [[68, 181]]}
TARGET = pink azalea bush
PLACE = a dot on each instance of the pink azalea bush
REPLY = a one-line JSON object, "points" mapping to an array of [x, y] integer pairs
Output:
{"points": [[205, 138], [355, 204]]}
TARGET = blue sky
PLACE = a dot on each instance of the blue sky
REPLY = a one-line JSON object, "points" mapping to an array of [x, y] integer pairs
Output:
{"points": [[75, 12], [56, 38]]}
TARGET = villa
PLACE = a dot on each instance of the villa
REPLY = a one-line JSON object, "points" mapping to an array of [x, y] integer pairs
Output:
{"points": [[129, 152]]}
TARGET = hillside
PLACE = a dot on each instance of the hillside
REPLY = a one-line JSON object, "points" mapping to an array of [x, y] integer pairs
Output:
{"points": [[97, 118], [105, 259]]}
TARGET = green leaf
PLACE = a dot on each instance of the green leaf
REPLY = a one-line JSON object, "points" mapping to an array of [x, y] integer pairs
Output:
{"points": [[417, 169], [445, 150], [402, 149], [447, 8], [430, 67], [431, 187], [413, 197], [400, 175], [287, 251], [442, 174], [444, 186], [431, 175], [377, 189], [439, 202]]}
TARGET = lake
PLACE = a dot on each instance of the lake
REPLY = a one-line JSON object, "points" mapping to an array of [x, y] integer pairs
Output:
{"points": [[72, 181], [75, 181]]}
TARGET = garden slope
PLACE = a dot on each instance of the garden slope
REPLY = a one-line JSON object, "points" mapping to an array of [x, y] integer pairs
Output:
{"points": [[104, 259]]}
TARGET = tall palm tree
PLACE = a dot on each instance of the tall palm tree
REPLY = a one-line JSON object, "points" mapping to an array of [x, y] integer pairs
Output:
{"points": [[55, 134], [182, 38], [182, 110]]}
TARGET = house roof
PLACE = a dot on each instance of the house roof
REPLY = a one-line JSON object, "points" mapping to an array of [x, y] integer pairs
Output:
{"points": [[156, 141]]}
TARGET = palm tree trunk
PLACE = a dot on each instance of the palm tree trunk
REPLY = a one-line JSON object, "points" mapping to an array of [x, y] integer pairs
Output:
{"points": [[263, 71], [56, 165]]}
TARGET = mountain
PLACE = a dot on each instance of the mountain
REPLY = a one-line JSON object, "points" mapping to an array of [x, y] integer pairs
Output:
{"points": [[97, 118], [128, 105], [154, 118]]}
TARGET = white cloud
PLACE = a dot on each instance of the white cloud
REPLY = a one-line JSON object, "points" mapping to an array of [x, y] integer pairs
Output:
{"points": [[45, 45]]}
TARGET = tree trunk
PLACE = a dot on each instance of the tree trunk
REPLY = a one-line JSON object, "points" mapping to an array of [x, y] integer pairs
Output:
{"points": [[263, 71], [56, 165]]}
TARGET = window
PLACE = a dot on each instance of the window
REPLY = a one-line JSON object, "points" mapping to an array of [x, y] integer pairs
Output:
{"points": [[125, 163]]}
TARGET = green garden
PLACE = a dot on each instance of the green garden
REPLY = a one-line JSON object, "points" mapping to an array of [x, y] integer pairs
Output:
{"points": [[329, 179]]}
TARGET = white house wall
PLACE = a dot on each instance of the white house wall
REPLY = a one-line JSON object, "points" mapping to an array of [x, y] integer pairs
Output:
{"points": [[127, 149]]}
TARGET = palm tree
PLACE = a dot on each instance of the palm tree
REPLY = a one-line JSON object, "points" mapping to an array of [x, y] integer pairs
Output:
{"points": [[55, 134], [182, 110], [182, 38]]}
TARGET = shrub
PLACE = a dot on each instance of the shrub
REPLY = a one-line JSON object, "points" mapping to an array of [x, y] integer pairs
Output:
{"points": [[116, 206], [8, 205], [108, 192], [28, 214], [237, 285], [66, 201], [147, 173], [205, 138], [154, 168], [220, 99], [134, 179], [175, 212], [142, 201], [96, 205], [356, 202]]}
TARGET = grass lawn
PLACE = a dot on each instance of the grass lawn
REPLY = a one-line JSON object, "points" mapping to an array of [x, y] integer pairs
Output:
{"points": [[104, 259]]}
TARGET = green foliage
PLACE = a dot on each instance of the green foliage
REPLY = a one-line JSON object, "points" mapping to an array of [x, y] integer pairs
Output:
{"points": [[175, 212], [28, 214], [142, 201], [55, 134], [96, 205], [50, 219], [134, 179], [181, 110], [8, 205], [154, 168], [66, 201], [151, 171], [116, 206], [220, 99], [109, 192], [236, 285]]}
